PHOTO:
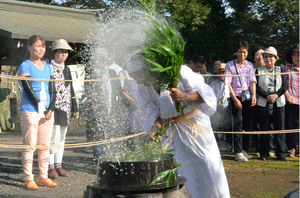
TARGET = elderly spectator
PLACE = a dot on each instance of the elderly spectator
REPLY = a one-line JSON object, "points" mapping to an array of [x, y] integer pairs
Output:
{"points": [[241, 107], [219, 120], [270, 103], [292, 97]]}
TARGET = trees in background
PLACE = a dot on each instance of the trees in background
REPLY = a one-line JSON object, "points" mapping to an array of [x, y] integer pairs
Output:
{"points": [[266, 22], [213, 27]]}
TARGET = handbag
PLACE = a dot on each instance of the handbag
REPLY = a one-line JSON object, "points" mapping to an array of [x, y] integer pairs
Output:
{"points": [[246, 94]]}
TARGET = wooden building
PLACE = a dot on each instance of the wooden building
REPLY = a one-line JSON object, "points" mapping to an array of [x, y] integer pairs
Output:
{"points": [[20, 20]]}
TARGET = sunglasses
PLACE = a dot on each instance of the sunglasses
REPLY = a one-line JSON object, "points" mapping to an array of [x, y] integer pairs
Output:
{"points": [[268, 56]]}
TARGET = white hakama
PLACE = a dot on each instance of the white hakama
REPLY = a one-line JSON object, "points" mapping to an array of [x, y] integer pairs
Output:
{"points": [[204, 172]]}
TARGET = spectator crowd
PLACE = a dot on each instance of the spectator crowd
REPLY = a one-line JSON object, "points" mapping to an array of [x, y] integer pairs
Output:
{"points": [[255, 96]]}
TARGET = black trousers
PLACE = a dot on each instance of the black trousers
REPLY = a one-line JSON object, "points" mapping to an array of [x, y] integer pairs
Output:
{"points": [[291, 122], [242, 119], [265, 121]]}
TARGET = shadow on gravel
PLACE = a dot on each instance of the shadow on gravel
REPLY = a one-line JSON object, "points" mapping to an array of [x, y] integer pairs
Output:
{"points": [[80, 164], [10, 181]]}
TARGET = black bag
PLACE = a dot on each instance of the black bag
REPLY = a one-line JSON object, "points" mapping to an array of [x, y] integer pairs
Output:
{"points": [[246, 95]]}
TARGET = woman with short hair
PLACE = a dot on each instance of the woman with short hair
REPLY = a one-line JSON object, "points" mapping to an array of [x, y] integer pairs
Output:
{"points": [[241, 108], [270, 103], [36, 109]]}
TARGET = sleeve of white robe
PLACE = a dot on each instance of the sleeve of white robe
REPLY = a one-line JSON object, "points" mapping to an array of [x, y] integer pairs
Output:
{"points": [[194, 82]]}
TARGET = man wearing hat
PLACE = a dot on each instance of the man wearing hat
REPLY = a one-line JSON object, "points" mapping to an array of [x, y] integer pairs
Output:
{"points": [[65, 106], [220, 119], [270, 103], [293, 101]]}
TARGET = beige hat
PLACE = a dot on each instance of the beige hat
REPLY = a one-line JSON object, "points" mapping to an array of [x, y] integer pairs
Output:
{"points": [[271, 50], [61, 44], [221, 68]]}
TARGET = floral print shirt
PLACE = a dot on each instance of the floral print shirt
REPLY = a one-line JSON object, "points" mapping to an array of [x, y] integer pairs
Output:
{"points": [[63, 93], [240, 83]]}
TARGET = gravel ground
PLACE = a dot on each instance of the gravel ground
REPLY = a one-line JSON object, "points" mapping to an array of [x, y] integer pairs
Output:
{"points": [[77, 161], [253, 179]]}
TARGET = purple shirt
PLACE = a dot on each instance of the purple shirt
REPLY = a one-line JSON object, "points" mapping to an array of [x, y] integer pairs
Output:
{"points": [[236, 85], [293, 83]]}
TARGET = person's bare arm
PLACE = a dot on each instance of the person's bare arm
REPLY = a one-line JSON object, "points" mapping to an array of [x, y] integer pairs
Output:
{"points": [[24, 74], [289, 98], [237, 103], [253, 93], [156, 129]]}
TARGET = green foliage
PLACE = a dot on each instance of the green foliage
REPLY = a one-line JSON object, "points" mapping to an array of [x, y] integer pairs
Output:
{"points": [[148, 151], [267, 23], [163, 52], [188, 14], [212, 27], [149, 5], [184, 14], [170, 174]]}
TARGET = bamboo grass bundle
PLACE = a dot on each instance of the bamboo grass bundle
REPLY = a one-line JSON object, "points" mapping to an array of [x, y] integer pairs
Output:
{"points": [[163, 52]]}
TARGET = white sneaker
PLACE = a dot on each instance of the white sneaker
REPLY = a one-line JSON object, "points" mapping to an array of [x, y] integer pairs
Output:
{"points": [[240, 157], [247, 155]]}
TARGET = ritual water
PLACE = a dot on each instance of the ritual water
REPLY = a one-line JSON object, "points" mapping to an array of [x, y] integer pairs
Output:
{"points": [[117, 38]]}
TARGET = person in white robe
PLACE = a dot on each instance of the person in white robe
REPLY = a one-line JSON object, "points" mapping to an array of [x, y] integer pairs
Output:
{"points": [[194, 143], [147, 98]]}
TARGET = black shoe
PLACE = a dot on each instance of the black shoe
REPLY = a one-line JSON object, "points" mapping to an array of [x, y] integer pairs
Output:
{"points": [[263, 158], [281, 158]]}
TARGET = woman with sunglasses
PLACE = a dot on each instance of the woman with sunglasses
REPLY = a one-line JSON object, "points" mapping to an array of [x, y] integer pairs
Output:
{"points": [[270, 103]]}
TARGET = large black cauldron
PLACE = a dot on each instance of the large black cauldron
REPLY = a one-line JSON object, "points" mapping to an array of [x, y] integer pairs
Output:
{"points": [[131, 179], [132, 175]]}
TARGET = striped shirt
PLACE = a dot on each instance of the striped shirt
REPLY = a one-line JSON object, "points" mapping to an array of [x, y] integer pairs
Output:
{"points": [[237, 85], [293, 82]]}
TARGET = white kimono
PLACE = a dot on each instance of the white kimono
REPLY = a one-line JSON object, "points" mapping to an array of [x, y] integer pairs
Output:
{"points": [[205, 172], [148, 108]]}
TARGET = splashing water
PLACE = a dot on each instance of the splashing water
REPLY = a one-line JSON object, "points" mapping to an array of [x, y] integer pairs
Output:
{"points": [[114, 45]]}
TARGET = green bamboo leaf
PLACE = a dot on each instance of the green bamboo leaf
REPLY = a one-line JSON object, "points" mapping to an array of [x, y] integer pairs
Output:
{"points": [[175, 165], [159, 51], [156, 70], [170, 150], [174, 176], [159, 177], [154, 63], [168, 180], [167, 68], [169, 51]]}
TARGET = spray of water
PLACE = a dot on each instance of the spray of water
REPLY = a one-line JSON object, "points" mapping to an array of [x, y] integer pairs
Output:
{"points": [[114, 45]]}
